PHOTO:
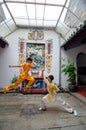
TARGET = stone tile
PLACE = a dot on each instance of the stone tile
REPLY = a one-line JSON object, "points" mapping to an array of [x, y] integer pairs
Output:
{"points": [[80, 97], [6, 125], [9, 109], [82, 127], [55, 123], [18, 111], [10, 117]]}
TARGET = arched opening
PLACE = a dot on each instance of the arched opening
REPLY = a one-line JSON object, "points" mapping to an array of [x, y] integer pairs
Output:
{"points": [[81, 69]]}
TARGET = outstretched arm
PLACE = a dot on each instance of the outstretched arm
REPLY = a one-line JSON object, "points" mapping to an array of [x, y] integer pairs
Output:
{"points": [[12, 66]]}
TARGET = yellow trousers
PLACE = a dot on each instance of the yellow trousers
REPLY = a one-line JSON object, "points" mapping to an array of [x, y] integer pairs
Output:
{"points": [[21, 78]]}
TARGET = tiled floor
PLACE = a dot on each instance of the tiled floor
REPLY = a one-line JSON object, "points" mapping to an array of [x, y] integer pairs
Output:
{"points": [[20, 112], [82, 90]]}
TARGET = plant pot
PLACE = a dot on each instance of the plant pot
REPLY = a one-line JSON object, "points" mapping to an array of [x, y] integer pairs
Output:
{"points": [[72, 87]]}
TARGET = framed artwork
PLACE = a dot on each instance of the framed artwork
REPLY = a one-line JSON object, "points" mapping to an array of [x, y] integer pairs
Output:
{"points": [[37, 52]]}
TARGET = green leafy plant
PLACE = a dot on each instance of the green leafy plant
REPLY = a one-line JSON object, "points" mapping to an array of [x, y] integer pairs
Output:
{"points": [[14, 79], [70, 70]]}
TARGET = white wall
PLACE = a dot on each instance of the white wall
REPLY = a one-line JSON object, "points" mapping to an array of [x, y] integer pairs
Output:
{"points": [[71, 54], [9, 55]]}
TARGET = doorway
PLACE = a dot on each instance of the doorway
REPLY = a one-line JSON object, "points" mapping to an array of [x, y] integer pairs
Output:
{"points": [[81, 73], [81, 69]]}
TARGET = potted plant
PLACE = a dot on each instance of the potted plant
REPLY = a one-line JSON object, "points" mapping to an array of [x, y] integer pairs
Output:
{"points": [[14, 79], [70, 70]]}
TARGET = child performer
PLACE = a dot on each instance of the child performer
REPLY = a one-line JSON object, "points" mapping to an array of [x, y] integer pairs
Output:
{"points": [[24, 75], [51, 97]]}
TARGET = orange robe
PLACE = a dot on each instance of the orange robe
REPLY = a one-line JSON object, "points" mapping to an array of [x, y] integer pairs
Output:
{"points": [[23, 76]]}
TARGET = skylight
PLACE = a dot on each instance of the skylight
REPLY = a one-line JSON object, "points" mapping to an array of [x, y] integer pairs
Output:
{"points": [[38, 13]]}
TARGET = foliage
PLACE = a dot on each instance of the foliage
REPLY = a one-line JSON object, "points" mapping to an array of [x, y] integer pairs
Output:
{"points": [[14, 79], [70, 70]]}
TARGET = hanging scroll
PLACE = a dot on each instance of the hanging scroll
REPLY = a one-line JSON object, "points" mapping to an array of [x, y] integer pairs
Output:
{"points": [[49, 47], [21, 52]]}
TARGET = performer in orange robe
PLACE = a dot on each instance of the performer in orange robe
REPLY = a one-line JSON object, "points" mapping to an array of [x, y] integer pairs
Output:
{"points": [[23, 76]]}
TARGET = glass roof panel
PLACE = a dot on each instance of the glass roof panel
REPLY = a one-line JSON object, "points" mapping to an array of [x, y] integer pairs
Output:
{"points": [[7, 15], [7, 24], [52, 12], [4, 30], [31, 11], [11, 25], [64, 15], [67, 4], [21, 22], [30, 1], [32, 22], [40, 1], [62, 28], [62, 18], [39, 11], [71, 20], [50, 23], [15, 0], [67, 23], [60, 2], [77, 10], [39, 23], [17, 10]]}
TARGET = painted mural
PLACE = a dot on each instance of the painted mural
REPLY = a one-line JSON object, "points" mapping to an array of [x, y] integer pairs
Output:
{"points": [[37, 52]]}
